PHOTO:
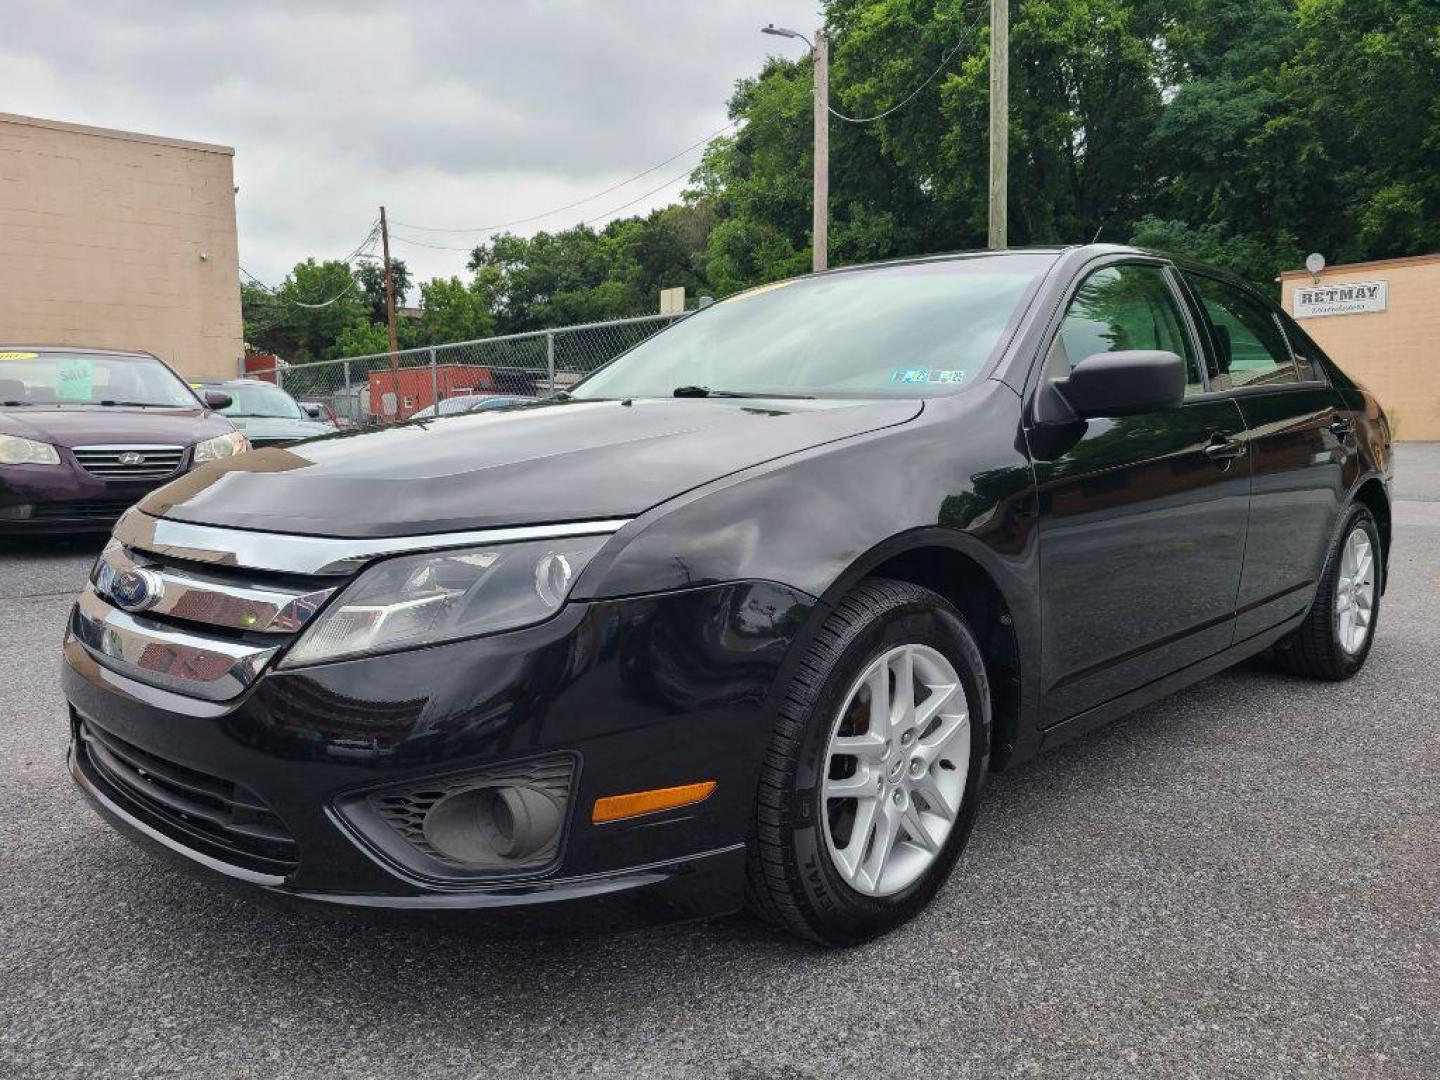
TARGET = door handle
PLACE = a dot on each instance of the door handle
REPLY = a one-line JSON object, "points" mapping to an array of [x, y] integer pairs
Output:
{"points": [[1341, 427], [1223, 450]]}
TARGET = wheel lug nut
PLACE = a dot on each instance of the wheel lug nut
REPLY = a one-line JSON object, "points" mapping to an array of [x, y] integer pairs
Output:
{"points": [[907, 738], [899, 796], [917, 767]]}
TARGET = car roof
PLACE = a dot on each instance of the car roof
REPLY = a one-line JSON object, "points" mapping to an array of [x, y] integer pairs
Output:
{"points": [[1082, 251], [136, 353]]}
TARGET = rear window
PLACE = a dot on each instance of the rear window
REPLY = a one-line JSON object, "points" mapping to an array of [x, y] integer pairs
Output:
{"points": [[1250, 346], [33, 379]]}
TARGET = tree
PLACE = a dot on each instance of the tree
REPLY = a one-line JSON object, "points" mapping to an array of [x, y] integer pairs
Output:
{"points": [[362, 338], [319, 300], [1240, 132], [370, 273], [449, 311], [1367, 77]]}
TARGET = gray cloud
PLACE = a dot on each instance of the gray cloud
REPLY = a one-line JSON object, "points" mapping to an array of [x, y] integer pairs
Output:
{"points": [[450, 112]]}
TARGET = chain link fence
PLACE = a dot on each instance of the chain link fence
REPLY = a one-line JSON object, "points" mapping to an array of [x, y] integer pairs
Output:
{"points": [[360, 390]]}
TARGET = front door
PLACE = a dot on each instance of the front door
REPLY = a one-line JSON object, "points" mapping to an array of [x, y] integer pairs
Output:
{"points": [[1142, 519]]}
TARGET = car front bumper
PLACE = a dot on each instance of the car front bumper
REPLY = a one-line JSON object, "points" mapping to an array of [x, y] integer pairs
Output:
{"points": [[641, 693], [40, 499]]}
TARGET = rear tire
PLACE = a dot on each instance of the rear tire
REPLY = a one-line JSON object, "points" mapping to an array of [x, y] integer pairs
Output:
{"points": [[1335, 638], [811, 870]]}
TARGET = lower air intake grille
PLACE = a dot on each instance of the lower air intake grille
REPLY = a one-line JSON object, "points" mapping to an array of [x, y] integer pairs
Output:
{"points": [[203, 812], [99, 511]]}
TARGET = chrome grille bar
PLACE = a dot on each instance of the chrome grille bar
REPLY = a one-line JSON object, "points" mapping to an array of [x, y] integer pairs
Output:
{"points": [[194, 596], [212, 668], [317, 556], [129, 461]]}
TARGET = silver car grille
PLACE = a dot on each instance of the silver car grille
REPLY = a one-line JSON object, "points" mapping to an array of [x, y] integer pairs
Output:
{"points": [[204, 631], [130, 462]]}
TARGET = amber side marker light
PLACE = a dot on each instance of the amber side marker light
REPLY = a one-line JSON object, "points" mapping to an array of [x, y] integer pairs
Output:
{"points": [[620, 807]]}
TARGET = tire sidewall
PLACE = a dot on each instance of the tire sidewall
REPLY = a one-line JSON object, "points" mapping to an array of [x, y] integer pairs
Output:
{"points": [[837, 903]]}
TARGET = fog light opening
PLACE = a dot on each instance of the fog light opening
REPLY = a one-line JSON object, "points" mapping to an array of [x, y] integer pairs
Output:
{"points": [[493, 826]]}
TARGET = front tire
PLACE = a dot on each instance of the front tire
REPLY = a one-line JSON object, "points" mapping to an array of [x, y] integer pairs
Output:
{"points": [[1335, 638], [869, 786]]}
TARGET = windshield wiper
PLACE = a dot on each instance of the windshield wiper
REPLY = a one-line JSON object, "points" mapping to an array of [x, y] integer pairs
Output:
{"points": [[16, 404], [137, 404], [705, 391]]}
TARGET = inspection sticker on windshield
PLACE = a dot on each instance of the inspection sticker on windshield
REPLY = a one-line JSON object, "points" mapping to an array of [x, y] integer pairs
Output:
{"points": [[18, 355], [927, 376]]}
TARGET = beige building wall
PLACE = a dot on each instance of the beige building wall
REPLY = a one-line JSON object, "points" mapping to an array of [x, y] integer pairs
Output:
{"points": [[113, 239], [1395, 353]]}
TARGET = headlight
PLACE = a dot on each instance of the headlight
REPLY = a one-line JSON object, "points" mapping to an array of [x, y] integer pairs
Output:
{"points": [[222, 446], [424, 599], [17, 451]]}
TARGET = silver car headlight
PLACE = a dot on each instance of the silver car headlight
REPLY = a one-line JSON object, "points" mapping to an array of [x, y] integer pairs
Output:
{"points": [[221, 446], [17, 451], [424, 599]]}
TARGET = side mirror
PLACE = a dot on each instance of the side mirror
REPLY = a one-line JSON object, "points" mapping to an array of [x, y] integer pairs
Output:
{"points": [[1124, 383], [312, 410], [217, 399]]}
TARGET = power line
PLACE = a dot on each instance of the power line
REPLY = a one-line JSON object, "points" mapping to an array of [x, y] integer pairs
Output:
{"points": [[277, 299], [639, 198], [359, 252], [587, 221], [909, 98], [579, 202]]}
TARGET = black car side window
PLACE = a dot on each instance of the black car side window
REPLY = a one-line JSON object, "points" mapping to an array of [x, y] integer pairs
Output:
{"points": [[1250, 346], [1307, 354], [1122, 307]]}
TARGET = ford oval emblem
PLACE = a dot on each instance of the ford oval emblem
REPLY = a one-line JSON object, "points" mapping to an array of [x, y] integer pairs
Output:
{"points": [[131, 458], [136, 589]]}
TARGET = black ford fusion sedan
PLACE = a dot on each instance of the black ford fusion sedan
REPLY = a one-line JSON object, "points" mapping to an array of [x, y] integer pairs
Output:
{"points": [[748, 616]]}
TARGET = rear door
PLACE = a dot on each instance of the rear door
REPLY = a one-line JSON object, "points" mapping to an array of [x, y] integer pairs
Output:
{"points": [[1301, 447], [1141, 518]]}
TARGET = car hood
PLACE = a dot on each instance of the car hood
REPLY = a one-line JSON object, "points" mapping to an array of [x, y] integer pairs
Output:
{"points": [[553, 462], [97, 425], [278, 427]]}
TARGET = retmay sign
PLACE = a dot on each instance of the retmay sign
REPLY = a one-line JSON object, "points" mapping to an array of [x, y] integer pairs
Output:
{"points": [[1351, 298]]}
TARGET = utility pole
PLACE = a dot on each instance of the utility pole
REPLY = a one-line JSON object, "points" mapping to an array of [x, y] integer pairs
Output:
{"points": [[821, 228], [999, 120], [820, 197], [390, 312]]}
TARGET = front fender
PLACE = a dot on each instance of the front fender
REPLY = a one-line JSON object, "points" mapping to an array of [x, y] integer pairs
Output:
{"points": [[956, 477]]}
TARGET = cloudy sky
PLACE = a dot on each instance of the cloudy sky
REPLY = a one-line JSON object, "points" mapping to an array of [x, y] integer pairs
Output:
{"points": [[450, 112]]}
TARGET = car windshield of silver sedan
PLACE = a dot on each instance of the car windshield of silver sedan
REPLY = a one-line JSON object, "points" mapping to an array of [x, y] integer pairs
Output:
{"points": [[261, 402], [58, 379], [907, 329]]}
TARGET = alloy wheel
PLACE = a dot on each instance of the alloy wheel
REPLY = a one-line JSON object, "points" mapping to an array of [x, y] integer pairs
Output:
{"points": [[895, 769], [1355, 592]]}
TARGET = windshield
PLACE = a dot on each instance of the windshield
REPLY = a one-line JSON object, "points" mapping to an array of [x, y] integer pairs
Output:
{"points": [[267, 401], [919, 328], [57, 379]]}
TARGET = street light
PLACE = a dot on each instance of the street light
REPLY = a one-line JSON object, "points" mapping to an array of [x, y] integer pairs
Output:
{"points": [[820, 229], [781, 31]]}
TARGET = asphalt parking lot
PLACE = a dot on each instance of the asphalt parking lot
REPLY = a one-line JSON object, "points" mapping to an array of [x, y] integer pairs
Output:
{"points": [[1240, 881]]}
